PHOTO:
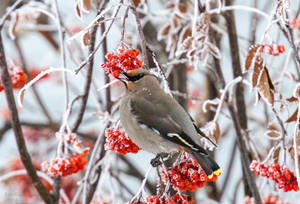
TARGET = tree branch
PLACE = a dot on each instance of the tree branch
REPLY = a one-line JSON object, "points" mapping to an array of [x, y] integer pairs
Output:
{"points": [[142, 37], [239, 116], [88, 81], [93, 186], [24, 155]]}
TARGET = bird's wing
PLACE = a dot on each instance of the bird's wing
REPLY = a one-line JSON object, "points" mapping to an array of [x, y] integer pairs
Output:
{"points": [[162, 123]]}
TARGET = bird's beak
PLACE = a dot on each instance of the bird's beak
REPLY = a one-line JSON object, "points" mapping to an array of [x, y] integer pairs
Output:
{"points": [[123, 78]]}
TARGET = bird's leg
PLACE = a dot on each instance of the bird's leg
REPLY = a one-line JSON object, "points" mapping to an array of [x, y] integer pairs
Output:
{"points": [[155, 162]]}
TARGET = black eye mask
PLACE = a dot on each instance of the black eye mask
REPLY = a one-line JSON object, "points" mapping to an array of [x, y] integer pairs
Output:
{"points": [[133, 78], [137, 77]]}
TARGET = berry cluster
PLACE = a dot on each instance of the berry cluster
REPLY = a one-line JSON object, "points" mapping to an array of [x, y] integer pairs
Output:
{"points": [[284, 178], [270, 199], [119, 142], [123, 60], [272, 49], [188, 175], [17, 77], [66, 166], [175, 199]]}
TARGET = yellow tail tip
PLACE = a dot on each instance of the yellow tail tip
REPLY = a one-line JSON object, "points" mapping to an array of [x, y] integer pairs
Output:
{"points": [[218, 172]]}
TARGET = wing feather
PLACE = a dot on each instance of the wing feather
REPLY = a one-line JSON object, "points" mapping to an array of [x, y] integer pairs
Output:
{"points": [[162, 122]]}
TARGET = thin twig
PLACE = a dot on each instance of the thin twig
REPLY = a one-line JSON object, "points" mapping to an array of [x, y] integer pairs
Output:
{"points": [[141, 189], [242, 8], [123, 25], [296, 145], [239, 116], [117, 177], [35, 91], [284, 134], [165, 80], [134, 171], [142, 37], [98, 170], [88, 60], [288, 32], [253, 27], [88, 81], [61, 34], [224, 94], [94, 156], [8, 13], [35, 79], [229, 169]]}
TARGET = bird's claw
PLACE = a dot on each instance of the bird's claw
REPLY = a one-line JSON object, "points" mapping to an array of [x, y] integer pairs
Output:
{"points": [[155, 162]]}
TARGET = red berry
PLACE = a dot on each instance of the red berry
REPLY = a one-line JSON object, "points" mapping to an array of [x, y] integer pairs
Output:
{"points": [[116, 74], [284, 178], [122, 61], [17, 77], [187, 175], [119, 142]]}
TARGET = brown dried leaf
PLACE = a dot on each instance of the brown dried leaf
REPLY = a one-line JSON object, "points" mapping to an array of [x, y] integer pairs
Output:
{"points": [[187, 33], [293, 117], [191, 53], [217, 132], [13, 28], [86, 38], [251, 55], [175, 22], [296, 93], [273, 134], [253, 155], [136, 3], [273, 126], [187, 43], [22, 96], [78, 11], [266, 87], [87, 4], [170, 5], [166, 30], [292, 99], [182, 8], [258, 68], [276, 155]]}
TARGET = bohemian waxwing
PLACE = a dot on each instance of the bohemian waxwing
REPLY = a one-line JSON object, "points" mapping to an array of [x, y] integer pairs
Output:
{"points": [[157, 123]]}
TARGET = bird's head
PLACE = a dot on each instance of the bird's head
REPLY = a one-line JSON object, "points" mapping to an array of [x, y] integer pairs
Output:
{"points": [[137, 79]]}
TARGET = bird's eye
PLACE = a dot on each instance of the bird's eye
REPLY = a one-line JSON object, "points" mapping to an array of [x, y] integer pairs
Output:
{"points": [[136, 77]]}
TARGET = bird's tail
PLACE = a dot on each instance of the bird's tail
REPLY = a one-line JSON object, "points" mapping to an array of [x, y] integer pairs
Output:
{"points": [[209, 166]]}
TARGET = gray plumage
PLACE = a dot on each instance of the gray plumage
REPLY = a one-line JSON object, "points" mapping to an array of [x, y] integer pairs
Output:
{"points": [[156, 122]]}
